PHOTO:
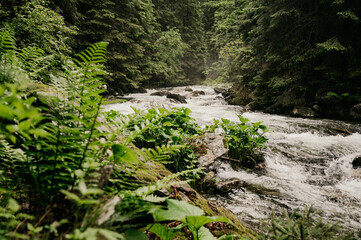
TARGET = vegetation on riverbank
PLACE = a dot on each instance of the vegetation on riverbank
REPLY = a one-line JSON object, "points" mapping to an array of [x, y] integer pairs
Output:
{"points": [[282, 57], [71, 171], [63, 159], [289, 57]]}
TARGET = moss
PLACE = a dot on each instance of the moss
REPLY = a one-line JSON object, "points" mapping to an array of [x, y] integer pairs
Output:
{"points": [[152, 171], [190, 195]]}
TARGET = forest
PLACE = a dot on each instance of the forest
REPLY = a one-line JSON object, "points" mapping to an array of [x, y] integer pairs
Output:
{"points": [[71, 170]]}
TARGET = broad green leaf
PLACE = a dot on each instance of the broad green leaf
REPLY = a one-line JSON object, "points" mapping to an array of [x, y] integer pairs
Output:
{"points": [[242, 119], [163, 231], [133, 234], [124, 154], [187, 111], [110, 235], [13, 205], [199, 221], [205, 234], [177, 210], [6, 113]]}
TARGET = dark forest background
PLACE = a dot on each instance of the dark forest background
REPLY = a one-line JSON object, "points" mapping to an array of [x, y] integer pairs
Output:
{"points": [[280, 56]]}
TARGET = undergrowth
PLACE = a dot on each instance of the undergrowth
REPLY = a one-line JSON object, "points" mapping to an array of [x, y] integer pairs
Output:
{"points": [[69, 170], [62, 159]]}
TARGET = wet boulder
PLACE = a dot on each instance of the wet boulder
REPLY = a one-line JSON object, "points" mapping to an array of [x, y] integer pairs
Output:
{"points": [[303, 112], [317, 108], [177, 97], [188, 89], [356, 163], [197, 93], [219, 90], [160, 93], [209, 148], [228, 186], [355, 111]]}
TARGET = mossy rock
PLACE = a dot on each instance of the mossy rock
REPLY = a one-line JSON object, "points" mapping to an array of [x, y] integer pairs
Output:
{"points": [[186, 193]]}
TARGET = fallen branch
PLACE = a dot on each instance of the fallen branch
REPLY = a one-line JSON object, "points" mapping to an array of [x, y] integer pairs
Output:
{"points": [[230, 159]]}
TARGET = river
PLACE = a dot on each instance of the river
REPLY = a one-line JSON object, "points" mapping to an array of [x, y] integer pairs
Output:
{"points": [[308, 161]]}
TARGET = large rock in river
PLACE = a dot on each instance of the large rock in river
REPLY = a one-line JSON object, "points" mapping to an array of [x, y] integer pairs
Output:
{"points": [[219, 90], [160, 93], [229, 185], [355, 111], [209, 147], [303, 112], [177, 97], [356, 163], [197, 93]]}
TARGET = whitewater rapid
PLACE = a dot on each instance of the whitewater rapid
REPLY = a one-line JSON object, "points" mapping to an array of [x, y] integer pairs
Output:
{"points": [[308, 161]]}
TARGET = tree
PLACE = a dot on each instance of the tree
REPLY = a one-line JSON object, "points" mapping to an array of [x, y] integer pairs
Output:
{"points": [[187, 16], [128, 26], [290, 53], [36, 24], [168, 50]]}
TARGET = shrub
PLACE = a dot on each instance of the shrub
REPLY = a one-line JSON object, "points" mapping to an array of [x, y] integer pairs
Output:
{"points": [[243, 140], [301, 226]]}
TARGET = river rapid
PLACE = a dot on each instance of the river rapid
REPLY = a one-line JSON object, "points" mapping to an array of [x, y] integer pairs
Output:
{"points": [[308, 161]]}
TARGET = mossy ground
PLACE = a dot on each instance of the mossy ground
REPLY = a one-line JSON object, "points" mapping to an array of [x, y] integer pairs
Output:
{"points": [[152, 171]]}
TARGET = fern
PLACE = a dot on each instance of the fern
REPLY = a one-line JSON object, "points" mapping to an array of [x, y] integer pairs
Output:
{"points": [[71, 150], [7, 40], [18, 65], [332, 44], [163, 153]]}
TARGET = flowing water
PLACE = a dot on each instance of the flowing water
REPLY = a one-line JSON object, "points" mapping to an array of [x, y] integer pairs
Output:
{"points": [[307, 161]]}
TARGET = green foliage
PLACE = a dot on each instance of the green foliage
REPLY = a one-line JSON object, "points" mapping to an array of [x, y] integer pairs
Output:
{"points": [[186, 16], [163, 126], [7, 40], [42, 26], [57, 148], [243, 140], [302, 225], [282, 50], [22, 65], [129, 27], [163, 231], [166, 134], [168, 50], [10, 218], [192, 217]]}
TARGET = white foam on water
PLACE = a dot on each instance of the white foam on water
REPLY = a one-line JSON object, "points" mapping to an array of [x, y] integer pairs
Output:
{"points": [[306, 161]]}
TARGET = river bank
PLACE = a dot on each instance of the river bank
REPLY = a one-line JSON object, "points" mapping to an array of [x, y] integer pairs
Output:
{"points": [[308, 161]]}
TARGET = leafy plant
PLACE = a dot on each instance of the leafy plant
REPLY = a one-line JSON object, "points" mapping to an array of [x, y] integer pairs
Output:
{"points": [[192, 217], [163, 134], [22, 65], [10, 218], [243, 140], [302, 225]]}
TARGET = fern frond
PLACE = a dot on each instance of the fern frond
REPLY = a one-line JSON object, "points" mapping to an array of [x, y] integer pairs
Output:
{"points": [[30, 54], [163, 183], [7, 40], [163, 153], [95, 54], [9, 154]]}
